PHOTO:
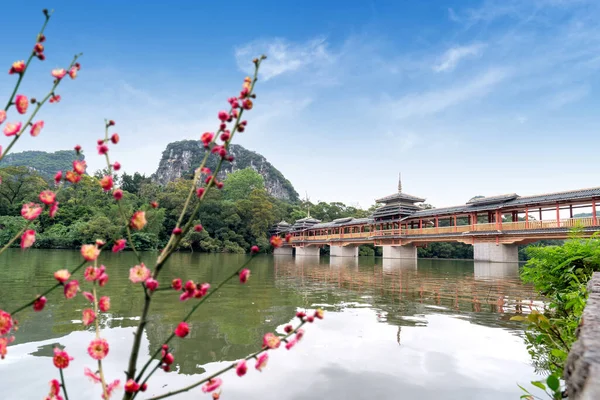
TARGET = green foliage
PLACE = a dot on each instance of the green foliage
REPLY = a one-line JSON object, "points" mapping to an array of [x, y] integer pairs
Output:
{"points": [[9, 227], [239, 184], [446, 250], [19, 185], [134, 183], [366, 250], [43, 163], [560, 273]]}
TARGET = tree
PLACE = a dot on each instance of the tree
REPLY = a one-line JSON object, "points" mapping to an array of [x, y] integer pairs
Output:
{"points": [[261, 212], [239, 184], [19, 185], [133, 183]]}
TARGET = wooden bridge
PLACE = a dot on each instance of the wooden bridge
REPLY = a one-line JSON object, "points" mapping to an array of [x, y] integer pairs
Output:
{"points": [[495, 226]]}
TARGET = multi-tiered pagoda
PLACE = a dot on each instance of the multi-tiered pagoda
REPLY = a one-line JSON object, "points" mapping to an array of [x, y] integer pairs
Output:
{"points": [[396, 206]]}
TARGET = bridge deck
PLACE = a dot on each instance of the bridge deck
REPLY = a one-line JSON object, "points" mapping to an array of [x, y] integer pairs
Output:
{"points": [[512, 232]]}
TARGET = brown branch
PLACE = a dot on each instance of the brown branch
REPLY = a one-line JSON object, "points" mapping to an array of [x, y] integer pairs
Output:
{"points": [[220, 372], [170, 248]]}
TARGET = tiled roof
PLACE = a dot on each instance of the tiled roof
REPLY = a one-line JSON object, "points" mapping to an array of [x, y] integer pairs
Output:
{"points": [[493, 199], [549, 198], [558, 196], [400, 196], [343, 222]]}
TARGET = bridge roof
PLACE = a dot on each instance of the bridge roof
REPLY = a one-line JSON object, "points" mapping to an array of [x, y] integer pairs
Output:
{"points": [[342, 222], [398, 197], [493, 199], [504, 201]]}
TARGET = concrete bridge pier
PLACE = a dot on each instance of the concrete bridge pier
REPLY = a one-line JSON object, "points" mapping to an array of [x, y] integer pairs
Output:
{"points": [[343, 251], [406, 251], [283, 251], [307, 251], [506, 253]]}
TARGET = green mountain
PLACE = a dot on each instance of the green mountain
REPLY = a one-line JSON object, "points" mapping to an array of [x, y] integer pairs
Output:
{"points": [[46, 164], [181, 158]]}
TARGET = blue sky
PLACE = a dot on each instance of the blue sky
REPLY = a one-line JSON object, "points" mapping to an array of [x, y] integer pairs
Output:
{"points": [[463, 97]]}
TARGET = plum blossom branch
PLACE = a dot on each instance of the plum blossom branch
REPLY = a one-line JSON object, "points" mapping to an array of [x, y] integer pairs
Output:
{"points": [[107, 181], [100, 371], [189, 314], [39, 39], [256, 355], [37, 108], [177, 233], [27, 224], [174, 239], [62, 383], [14, 238]]}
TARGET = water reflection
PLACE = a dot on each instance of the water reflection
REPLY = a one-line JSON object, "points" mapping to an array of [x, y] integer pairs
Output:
{"points": [[344, 262], [488, 270], [429, 329], [395, 264]]}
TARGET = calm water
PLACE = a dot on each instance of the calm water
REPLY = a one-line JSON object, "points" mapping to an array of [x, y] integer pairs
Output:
{"points": [[393, 328]]}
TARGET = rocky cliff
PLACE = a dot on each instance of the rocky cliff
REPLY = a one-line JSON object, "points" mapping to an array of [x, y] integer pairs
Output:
{"points": [[180, 158]]}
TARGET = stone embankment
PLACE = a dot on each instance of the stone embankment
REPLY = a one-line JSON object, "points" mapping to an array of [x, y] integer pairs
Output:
{"points": [[582, 372]]}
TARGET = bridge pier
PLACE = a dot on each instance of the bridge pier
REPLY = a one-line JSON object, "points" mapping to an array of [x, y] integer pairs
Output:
{"points": [[307, 251], [283, 251], [506, 253], [343, 251], [406, 251]]}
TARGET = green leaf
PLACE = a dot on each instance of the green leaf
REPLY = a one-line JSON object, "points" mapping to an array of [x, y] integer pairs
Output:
{"points": [[539, 385], [523, 389], [558, 353], [553, 382], [518, 318]]}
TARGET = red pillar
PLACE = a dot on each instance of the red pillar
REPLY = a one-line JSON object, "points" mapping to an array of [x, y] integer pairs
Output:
{"points": [[526, 217], [420, 226], [455, 229], [437, 225], [594, 219], [473, 221], [557, 216], [496, 218]]}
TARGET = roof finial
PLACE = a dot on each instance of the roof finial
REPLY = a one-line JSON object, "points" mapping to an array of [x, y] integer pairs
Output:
{"points": [[399, 182], [307, 205]]}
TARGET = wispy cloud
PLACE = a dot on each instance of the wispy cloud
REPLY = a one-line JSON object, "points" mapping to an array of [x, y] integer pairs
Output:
{"points": [[568, 96], [452, 56], [284, 56], [432, 102]]}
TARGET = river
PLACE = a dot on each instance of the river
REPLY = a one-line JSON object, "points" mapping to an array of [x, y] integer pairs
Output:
{"points": [[393, 329]]}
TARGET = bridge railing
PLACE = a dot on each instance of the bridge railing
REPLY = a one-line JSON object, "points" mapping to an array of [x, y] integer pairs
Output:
{"points": [[487, 227]]}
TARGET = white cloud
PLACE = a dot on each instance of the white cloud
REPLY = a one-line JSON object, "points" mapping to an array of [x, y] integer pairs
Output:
{"points": [[568, 96], [401, 142], [421, 104], [453, 56], [283, 56]]}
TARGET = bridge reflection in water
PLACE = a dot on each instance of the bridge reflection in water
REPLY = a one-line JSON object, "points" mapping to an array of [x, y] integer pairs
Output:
{"points": [[405, 291]]}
